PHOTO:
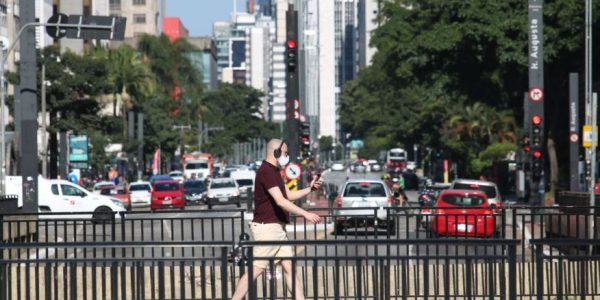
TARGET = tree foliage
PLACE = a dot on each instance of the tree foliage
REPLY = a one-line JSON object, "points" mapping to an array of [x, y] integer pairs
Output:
{"points": [[451, 74]]}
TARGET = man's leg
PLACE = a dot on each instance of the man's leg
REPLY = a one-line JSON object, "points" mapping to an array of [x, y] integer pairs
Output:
{"points": [[242, 287], [287, 270]]}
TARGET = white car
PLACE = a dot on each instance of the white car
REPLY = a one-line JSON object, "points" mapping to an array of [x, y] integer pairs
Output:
{"points": [[223, 191], [371, 194], [489, 188], [177, 176], [61, 196], [140, 193], [245, 181], [101, 185], [337, 166]]}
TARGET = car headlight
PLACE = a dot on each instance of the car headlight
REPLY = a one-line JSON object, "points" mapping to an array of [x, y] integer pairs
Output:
{"points": [[117, 202], [235, 193], [210, 195]]}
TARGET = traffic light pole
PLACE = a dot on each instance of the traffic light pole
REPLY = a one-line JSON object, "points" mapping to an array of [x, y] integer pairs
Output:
{"points": [[536, 97], [292, 82]]}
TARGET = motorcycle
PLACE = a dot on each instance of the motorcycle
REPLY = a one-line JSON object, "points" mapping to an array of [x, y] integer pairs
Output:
{"points": [[427, 198]]}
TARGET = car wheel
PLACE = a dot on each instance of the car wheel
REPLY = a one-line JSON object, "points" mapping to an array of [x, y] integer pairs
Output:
{"points": [[103, 215], [209, 204], [239, 203]]}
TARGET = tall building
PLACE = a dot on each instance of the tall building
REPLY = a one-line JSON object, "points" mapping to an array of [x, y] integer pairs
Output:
{"points": [[258, 62], [368, 10], [43, 11], [143, 16], [174, 29], [327, 69], [205, 59], [221, 35]]}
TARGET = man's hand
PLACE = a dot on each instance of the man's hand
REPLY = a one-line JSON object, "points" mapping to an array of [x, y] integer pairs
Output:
{"points": [[315, 184], [313, 218]]}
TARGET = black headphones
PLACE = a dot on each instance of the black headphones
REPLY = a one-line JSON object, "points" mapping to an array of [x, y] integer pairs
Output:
{"points": [[277, 152]]}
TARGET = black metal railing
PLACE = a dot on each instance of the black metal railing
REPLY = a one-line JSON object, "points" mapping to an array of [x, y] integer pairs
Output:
{"points": [[403, 233]]}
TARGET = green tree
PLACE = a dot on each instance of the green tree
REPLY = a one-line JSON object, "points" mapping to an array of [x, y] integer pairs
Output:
{"points": [[436, 59], [236, 108], [130, 78]]}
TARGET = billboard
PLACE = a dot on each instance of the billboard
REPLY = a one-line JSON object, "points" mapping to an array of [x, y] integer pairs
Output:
{"points": [[78, 148]]}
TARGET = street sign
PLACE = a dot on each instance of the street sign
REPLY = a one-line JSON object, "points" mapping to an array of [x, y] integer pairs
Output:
{"points": [[57, 31], [574, 137], [293, 171], [115, 31], [536, 94], [587, 136]]}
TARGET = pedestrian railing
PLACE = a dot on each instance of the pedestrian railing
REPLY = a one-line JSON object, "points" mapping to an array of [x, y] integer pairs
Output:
{"points": [[401, 243]]}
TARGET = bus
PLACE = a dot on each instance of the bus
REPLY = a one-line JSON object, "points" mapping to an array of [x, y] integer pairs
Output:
{"points": [[395, 160]]}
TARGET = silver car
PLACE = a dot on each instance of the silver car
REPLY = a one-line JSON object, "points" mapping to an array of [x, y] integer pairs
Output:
{"points": [[371, 194], [489, 188]]}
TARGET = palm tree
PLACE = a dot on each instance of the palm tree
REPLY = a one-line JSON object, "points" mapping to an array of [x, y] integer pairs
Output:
{"points": [[131, 79]]}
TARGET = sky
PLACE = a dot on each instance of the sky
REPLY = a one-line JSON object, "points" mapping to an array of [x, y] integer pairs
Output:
{"points": [[198, 15]]}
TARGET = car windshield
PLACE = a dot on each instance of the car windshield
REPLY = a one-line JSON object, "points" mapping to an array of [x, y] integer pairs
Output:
{"points": [[364, 189], [489, 191], [464, 200], [194, 166], [222, 184], [162, 187], [194, 184], [244, 182], [139, 187]]}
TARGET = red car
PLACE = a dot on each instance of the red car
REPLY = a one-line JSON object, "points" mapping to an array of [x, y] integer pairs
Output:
{"points": [[167, 194], [464, 213], [117, 192]]}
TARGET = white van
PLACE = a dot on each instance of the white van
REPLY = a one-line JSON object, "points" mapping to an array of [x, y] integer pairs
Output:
{"points": [[58, 196], [245, 180]]}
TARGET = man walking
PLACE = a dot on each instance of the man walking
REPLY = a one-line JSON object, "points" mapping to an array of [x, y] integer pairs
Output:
{"points": [[272, 205]]}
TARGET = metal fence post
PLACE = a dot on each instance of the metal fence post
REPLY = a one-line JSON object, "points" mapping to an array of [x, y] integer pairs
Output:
{"points": [[224, 276], [512, 271], [161, 280], [539, 269], [250, 264]]}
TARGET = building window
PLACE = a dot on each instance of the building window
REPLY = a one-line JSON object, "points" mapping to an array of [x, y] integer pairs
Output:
{"points": [[139, 2], [139, 19]]}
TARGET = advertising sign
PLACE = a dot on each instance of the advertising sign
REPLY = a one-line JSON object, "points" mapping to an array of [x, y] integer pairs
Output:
{"points": [[78, 148]]}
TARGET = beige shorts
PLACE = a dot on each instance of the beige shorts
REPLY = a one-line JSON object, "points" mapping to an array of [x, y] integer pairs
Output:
{"points": [[269, 232]]}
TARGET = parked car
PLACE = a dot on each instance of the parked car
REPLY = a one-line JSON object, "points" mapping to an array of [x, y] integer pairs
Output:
{"points": [[338, 166], [61, 196], [489, 188], [167, 194], [118, 192], [373, 195], [194, 191], [102, 184], [140, 193], [176, 175], [465, 213], [223, 191]]}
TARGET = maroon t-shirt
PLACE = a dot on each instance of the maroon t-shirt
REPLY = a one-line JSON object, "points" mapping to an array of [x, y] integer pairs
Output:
{"points": [[266, 209]]}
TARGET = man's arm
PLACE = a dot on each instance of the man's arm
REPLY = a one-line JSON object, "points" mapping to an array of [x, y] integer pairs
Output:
{"points": [[291, 207]]}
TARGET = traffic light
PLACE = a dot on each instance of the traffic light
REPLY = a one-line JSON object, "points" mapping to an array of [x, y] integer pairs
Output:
{"points": [[292, 55], [588, 169], [536, 130], [305, 139]]}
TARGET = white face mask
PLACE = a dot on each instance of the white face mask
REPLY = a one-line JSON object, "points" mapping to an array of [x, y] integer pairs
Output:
{"points": [[283, 160]]}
